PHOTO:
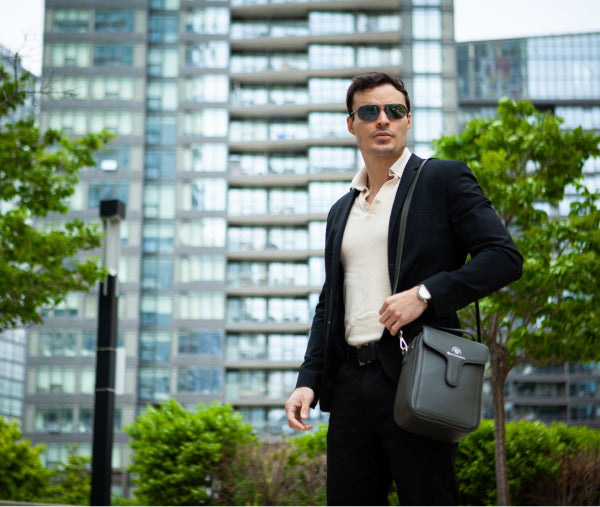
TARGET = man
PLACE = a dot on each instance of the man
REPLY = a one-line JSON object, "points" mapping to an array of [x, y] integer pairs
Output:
{"points": [[353, 358]]}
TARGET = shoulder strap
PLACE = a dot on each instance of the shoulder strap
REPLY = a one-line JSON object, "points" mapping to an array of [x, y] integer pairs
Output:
{"points": [[400, 248], [402, 226]]}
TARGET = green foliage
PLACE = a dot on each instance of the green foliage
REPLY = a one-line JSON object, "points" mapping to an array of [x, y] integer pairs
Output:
{"points": [[22, 476], [273, 474], [178, 453], [536, 455], [71, 482], [523, 159], [313, 443], [38, 172]]}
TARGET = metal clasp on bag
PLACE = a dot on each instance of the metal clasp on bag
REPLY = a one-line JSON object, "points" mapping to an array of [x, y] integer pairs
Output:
{"points": [[403, 344]]}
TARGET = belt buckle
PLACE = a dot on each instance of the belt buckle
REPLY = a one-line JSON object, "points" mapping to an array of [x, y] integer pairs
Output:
{"points": [[370, 351]]}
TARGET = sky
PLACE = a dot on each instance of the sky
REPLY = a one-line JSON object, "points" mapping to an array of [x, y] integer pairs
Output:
{"points": [[21, 22]]}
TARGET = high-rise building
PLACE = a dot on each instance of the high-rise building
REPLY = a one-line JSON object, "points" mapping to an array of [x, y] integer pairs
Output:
{"points": [[231, 144], [559, 74]]}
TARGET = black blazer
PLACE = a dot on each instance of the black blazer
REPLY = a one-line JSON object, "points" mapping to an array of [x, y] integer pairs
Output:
{"points": [[449, 218]]}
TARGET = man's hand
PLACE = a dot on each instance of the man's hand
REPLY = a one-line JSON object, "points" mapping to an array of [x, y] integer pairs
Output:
{"points": [[401, 309], [296, 408]]}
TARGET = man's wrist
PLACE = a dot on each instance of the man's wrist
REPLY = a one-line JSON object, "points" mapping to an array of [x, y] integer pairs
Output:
{"points": [[423, 294]]}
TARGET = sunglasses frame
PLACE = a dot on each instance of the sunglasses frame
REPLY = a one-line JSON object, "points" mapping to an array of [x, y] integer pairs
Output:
{"points": [[386, 108]]}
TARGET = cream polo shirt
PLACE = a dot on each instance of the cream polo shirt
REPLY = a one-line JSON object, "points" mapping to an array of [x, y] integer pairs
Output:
{"points": [[364, 256]]}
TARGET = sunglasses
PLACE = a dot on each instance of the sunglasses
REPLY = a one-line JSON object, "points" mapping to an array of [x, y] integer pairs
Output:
{"points": [[371, 112]]}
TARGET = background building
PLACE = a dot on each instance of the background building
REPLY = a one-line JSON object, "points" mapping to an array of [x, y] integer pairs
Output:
{"points": [[231, 144], [559, 74]]}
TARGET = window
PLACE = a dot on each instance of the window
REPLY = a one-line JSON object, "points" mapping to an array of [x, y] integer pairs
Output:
{"points": [[210, 54], [205, 157], [116, 158], [57, 342], [247, 201], [331, 158], [427, 91], [202, 306], [247, 273], [207, 88], [327, 125], [53, 419], [70, 20], [210, 20], [114, 20], [158, 238], [157, 273], [202, 268], [322, 195], [161, 96], [160, 163], [330, 57], [116, 122], [156, 310], [208, 123], [203, 342], [70, 122], [163, 62], [323, 91], [427, 24], [246, 346], [113, 55], [155, 346], [159, 201], [161, 129], [207, 194], [245, 384], [69, 88], [427, 57], [247, 238], [112, 88], [163, 28], [56, 379], [103, 191], [204, 232], [70, 55], [200, 379], [428, 126], [154, 384]]}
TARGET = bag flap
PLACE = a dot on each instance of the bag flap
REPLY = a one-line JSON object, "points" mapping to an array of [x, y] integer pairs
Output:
{"points": [[456, 350]]}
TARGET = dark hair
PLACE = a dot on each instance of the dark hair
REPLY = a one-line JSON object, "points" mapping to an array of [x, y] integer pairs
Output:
{"points": [[371, 80]]}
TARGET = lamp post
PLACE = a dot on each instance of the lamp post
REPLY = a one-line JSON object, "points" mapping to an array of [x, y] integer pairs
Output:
{"points": [[112, 213]]}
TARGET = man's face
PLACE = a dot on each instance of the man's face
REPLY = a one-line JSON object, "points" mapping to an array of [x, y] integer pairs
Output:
{"points": [[382, 137]]}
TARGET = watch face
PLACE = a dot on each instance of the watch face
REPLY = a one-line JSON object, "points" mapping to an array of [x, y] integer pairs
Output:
{"points": [[424, 293]]}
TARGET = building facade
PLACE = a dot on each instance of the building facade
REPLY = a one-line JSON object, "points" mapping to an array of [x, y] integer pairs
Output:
{"points": [[559, 74], [230, 145]]}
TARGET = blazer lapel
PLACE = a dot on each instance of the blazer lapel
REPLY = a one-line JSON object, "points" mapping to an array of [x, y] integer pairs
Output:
{"points": [[339, 225], [407, 176]]}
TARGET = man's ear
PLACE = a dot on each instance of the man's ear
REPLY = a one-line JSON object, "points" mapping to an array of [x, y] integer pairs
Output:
{"points": [[350, 124]]}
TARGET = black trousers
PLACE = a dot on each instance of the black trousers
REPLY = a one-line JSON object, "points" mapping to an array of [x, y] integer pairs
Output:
{"points": [[366, 450]]}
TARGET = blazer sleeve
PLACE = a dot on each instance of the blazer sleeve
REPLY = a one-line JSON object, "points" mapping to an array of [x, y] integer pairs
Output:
{"points": [[477, 231]]}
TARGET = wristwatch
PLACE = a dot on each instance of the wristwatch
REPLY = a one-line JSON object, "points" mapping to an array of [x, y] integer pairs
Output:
{"points": [[423, 294]]}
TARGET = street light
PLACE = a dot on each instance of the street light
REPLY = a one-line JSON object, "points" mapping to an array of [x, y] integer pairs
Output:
{"points": [[112, 213]]}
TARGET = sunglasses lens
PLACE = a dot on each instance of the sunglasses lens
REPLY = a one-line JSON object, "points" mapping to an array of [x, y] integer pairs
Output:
{"points": [[395, 111], [368, 113]]}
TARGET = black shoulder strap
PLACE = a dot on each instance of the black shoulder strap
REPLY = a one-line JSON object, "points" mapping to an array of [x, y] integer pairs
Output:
{"points": [[401, 233], [402, 226]]}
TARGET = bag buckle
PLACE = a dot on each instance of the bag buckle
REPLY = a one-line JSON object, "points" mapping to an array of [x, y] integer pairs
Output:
{"points": [[403, 344]]}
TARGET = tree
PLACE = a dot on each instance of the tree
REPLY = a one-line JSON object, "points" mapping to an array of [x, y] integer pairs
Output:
{"points": [[524, 162], [177, 453], [22, 476], [38, 172], [71, 482]]}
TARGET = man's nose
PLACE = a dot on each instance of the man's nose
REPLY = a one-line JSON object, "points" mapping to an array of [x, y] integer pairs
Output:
{"points": [[382, 117]]}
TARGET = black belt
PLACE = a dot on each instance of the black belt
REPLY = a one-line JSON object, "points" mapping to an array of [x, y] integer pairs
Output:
{"points": [[361, 355]]}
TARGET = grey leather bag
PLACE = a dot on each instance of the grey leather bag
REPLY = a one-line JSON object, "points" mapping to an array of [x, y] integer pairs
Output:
{"points": [[440, 385]]}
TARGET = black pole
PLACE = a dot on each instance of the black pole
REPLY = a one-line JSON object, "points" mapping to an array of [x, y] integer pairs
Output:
{"points": [[104, 407]]}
